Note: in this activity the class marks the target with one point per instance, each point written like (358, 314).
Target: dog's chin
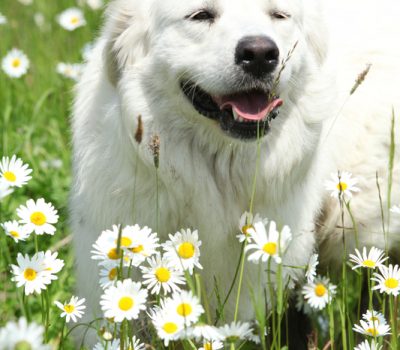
(234, 122)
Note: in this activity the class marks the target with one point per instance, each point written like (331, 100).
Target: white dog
(199, 73)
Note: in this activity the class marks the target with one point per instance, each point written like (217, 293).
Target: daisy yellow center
(186, 250)
(208, 346)
(369, 263)
(246, 229)
(23, 345)
(391, 283)
(320, 290)
(38, 218)
(69, 308)
(137, 249)
(113, 254)
(125, 303)
(10, 176)
(270, 248)
(342, 186)
(170, 327)
(125, 242)
(112, 274)
(372, 331)
(16, 62)
(14, 234)
(184, 309)
(163, 274)
(30, 274)
(74, 20)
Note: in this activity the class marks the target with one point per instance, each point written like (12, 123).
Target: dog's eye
(202, 15)
(280, 15)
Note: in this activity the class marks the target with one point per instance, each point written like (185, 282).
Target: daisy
(73, 309)
(205, 332)
(373, 259)
(114, 345)
(395, 209)
(105, 247)
(302, 304)
(367, 346)
(372, 329)
(3, 19)
(311, 269)
(183, 250)
(71, 19)
(5, 190)
(267, 245)
(246, 224)
(15, 231)
(161, 274)
(185, 306)
(31, 273)
(143, 244)
(14, 172)
(319, 292)
(341, 183)
(15, 64)
(95, 5)
(211, 345)
(38, 216)
(124, 300)
(21, 335)
(108, 274)
(51, 264)
(70, 70)
(374, 316)
(388, 279)
(168, 325)
(235, 331)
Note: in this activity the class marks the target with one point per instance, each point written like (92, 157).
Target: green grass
(34, 124)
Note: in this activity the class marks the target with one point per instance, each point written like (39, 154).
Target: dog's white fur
(205, 176)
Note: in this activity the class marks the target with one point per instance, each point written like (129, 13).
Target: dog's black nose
(257, 55)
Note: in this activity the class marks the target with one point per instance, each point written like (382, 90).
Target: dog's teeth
(235, 115)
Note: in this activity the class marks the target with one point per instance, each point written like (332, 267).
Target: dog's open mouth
(244, 115)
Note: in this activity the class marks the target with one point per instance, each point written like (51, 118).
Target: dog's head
(227, 64)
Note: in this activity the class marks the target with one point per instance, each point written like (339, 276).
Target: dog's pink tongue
(249, 106)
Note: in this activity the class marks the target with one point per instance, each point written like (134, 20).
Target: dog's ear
(126, 31)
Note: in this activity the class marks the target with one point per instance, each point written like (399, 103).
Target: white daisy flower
(31, 273)
(51, 264)
(114, 345)
(73, 309)
(95, 5)
(15, 64)
(183, 250)
(373, 259)
(374, 316)
(124, 300)
(365, 345)
(341, 183)
(168, 325)
(14, 172)
(161, 274)
(212, 345)
(235, 331)
(16, 231)
(246, 224)
(71, 19)
(5, 190)
(205, 332)
(372, 329)
(38, 216)
(302, 304)
(144, 243)
(388, 279)
(108, 274)
(311, 270)
(21, 335)
(395, 209)
(105, 247)
(70, 70)
(266, 245)
(319, 292)
(39, 19)
(185, 305)
(3, 19)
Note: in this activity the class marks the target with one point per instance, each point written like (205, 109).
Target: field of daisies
(153, 295)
